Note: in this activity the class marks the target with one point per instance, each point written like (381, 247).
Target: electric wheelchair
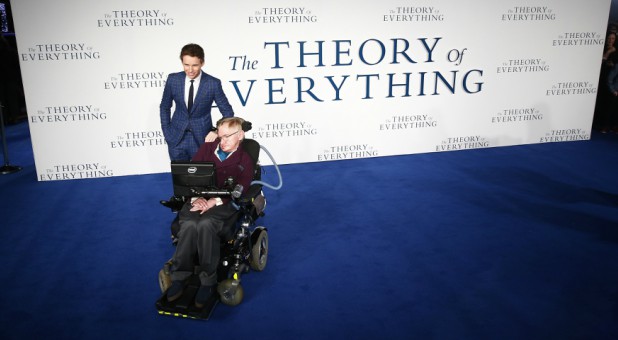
(244, 244)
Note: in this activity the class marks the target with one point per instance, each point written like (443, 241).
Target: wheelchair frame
(246, 249)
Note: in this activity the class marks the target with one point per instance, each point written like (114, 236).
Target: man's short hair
(192, 50)
(231, 122)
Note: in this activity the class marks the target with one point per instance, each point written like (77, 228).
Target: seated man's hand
(210, 137)
(202, 205)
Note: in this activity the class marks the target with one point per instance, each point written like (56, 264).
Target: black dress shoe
(203, 294)
(175, 290)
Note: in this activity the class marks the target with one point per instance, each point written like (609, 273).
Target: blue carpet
(502, 243)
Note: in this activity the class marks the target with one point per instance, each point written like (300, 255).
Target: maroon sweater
(238, 165)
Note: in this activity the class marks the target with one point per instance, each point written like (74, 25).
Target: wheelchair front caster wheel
(165, 280)
(231, 292)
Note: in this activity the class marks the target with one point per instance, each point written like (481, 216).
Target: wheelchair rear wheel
(259, 252)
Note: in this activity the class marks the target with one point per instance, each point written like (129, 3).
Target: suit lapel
(201, 91)
(181, 86)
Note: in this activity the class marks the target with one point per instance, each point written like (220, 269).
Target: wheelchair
(244, 246)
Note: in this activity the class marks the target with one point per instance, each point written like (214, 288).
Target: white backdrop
(320, 81)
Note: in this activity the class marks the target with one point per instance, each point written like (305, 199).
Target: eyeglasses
(228, 136)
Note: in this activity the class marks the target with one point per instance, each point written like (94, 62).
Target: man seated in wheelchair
(202, 220)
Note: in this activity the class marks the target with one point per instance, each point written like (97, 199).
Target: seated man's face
(230, 137)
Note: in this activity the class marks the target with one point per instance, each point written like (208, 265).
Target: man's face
(230, 137)
(192, 66)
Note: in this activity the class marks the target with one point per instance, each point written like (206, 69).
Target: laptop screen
(189, 176)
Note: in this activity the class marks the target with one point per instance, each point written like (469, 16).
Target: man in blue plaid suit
(192, 92)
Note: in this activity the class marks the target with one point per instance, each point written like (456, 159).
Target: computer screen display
(188, 177)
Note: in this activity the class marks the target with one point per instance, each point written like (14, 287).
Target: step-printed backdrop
(320, 81)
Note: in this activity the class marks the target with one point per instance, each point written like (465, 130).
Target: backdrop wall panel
(319, 81)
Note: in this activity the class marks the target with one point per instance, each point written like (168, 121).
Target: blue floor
(502, 243)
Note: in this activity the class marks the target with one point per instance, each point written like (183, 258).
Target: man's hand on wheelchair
(202, 205)
(210, 137)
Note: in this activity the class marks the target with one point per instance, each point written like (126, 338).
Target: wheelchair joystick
(237, 192)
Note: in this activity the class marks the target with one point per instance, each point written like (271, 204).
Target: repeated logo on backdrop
(282, 15)
(60, 52)
(283, 130)
(572, 88)
(138, 139)
(75, 171)
(529, 13)
(408, 122)
(341, 152)
(530, 65)
(135, 18)
(517, 115)
(62, 115)
(414, 14)
(66, 114)
(569, 39)
(463, 143)
(136, 80)
(565, 135)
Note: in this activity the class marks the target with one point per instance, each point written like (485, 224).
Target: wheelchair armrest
(251, 193)
(253, 201)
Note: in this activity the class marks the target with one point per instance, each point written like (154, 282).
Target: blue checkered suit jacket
(199, 119)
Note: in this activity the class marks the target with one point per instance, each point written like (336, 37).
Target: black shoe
(203, 294)
(175, 290)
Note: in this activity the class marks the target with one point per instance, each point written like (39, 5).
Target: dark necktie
(190, 102)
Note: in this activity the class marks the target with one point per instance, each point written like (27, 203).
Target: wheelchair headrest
(252, 148)
(245, 125)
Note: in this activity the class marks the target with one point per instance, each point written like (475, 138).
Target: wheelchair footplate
(184, 306)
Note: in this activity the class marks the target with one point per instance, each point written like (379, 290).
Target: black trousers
(610, 118)
(200, 234)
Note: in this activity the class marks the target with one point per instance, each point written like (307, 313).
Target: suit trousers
(186, 148)
(200, 234)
